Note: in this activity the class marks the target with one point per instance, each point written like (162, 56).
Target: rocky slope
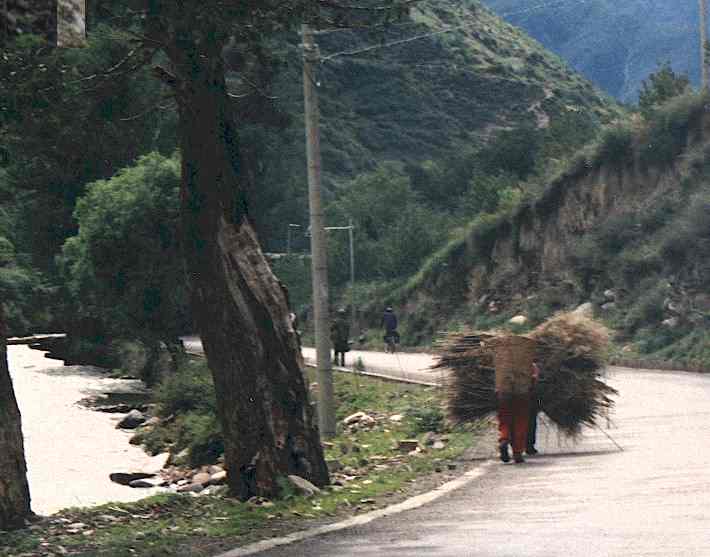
(625, 226)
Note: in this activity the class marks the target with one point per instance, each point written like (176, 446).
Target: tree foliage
(124, 268)
(660, 87)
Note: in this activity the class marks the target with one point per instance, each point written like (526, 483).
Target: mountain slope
(425, 99)
(615, 44)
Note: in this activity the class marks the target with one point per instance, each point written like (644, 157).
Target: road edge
(360, 520)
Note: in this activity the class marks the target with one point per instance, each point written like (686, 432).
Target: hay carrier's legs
(513, 421)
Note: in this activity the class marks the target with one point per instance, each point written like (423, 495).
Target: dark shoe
(531, 450)
(518, 458)
(504, 454)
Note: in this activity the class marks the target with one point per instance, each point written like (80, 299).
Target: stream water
(70, 449)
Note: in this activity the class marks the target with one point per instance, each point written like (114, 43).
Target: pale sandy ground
(72, 450)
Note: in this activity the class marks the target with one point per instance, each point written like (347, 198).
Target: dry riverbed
(70, 449)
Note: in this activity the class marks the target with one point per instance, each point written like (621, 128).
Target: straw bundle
(570, 352)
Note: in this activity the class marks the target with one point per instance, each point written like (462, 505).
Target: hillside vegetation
(624, 226)
(614, 44)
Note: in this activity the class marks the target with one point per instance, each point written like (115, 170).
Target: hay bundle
(571, 354)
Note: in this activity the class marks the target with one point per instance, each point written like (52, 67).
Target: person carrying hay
(515, 374)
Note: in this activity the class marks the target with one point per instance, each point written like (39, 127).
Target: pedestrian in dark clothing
(340, 336)
(389, 324)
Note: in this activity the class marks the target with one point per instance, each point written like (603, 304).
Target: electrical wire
(400, 42)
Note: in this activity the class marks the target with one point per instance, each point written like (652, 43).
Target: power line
(400, 42)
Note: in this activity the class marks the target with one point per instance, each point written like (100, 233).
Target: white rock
(303, 486)
(671, 323)
(610, 294)
(218, 478)
(354, 418)
(132, 420)
(586, 309)
(518, 320)
(396, 418)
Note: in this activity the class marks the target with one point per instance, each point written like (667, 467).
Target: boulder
(115, 408)
(354, 418)
(147, 483)
(125, 478)
(438, 445)
(518, 320)
(131, 420)
(303, 486)
(152, 422)
(586, 310)
(610, 295)
(191, 488)
(396, 418)
(218, 478)
(201, 478)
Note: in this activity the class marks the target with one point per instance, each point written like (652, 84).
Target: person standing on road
(340, 336)
(389, 324)
(535, 408)
(513, 392)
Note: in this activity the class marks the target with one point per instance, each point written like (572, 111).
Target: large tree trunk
(239, 305)
(14, 491)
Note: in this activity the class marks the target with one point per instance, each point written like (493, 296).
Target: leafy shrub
(646, 311)
(616, 146)
(201, 435)
(189, 389)
(427, 418)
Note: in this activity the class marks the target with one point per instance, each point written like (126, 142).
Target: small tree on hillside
(660, 87)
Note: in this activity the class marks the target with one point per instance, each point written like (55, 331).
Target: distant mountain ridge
(616, 44)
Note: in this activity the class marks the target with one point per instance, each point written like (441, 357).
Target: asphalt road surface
(583, 500)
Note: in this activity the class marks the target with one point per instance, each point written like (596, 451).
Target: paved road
(400, 365)
(588, 500)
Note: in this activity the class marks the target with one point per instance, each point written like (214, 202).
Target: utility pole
(288, 237)
(703, 5)
(319, 261)
(350, 228)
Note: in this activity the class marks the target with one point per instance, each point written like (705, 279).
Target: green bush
(201, 435)
(427, 418)
(647, 310)
(616, 145)
(189, 389)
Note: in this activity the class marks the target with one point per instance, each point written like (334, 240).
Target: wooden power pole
(703, 5)
(319, 262)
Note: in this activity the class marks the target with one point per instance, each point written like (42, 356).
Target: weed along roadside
(392, 442)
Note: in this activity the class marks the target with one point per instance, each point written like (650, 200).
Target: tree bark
(14, 490)
(239, 306)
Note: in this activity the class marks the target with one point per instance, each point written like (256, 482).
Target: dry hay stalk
(571, 355)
